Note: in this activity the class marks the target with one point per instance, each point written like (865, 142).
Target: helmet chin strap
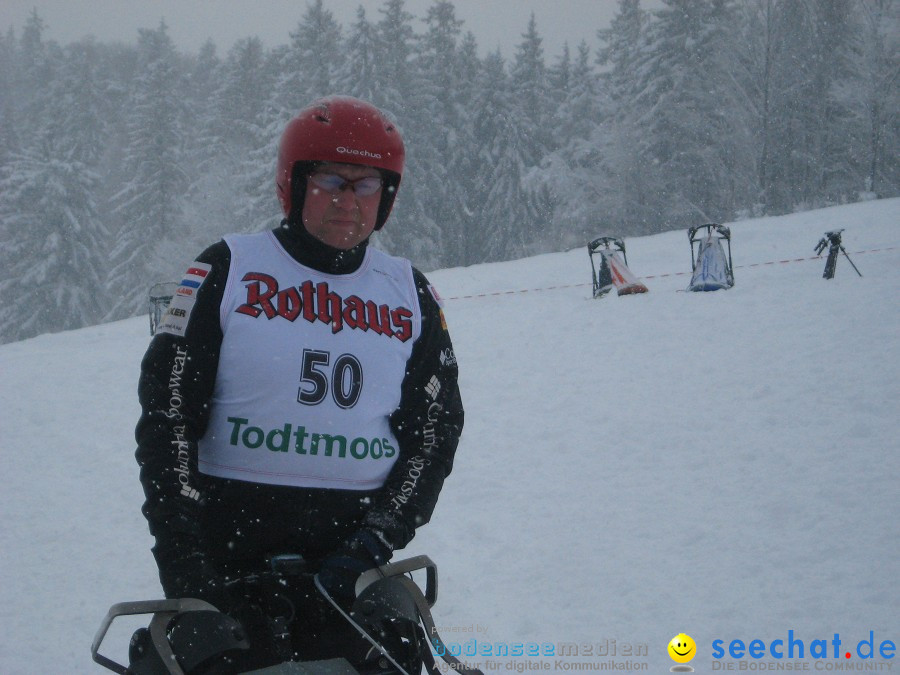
(388, 193)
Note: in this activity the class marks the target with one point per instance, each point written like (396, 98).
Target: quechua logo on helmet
(360, 153)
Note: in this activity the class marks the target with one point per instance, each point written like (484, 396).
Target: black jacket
(235, 525)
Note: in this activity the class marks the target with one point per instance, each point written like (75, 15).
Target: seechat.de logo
(827, 654)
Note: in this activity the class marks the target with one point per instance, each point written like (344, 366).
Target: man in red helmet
(300, 396)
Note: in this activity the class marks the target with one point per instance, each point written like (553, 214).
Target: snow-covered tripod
(833, 239)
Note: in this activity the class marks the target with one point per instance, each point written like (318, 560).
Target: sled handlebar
(162, 611)
(723, 230)
(402, 567)
(608, 242)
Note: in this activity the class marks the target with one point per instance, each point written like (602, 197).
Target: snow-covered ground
(720, 464)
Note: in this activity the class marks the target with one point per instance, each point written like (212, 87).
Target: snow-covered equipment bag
(613, 270)
(160, 296)
(833, 241)
(712, 268)
(188, 636)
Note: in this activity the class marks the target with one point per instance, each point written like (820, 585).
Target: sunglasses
(334, 184)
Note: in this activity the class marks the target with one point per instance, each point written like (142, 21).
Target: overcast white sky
(495, 23)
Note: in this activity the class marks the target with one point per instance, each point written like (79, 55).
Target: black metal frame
(607, 243)
(724, 233)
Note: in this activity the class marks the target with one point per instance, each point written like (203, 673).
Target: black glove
(339, 571)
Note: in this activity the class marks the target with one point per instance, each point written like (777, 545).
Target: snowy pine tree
(148, 207)
(683, 83)
(52, 240)
(623, 182)
(869, 93)
(465, 163)
(528, 76)
(255, 122)
(574, 170)
(313, 61)
(410, 231)
(500, 206)
(8, 113)
(436, 121)
(223, 196)
(359, 73)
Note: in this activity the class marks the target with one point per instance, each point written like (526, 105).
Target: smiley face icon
(682, 648)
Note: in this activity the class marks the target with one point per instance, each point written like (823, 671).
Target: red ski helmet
(338, 129)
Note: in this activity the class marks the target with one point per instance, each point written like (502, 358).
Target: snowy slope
(721, 464)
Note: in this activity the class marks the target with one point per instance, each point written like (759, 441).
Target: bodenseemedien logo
(682, 649)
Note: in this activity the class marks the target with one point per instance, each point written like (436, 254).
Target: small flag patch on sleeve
(175, 321)
(437, 296)
(194, 277)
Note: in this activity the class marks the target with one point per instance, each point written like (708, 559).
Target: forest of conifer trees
(120, 161)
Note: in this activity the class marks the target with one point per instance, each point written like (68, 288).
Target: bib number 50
(345, 381)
